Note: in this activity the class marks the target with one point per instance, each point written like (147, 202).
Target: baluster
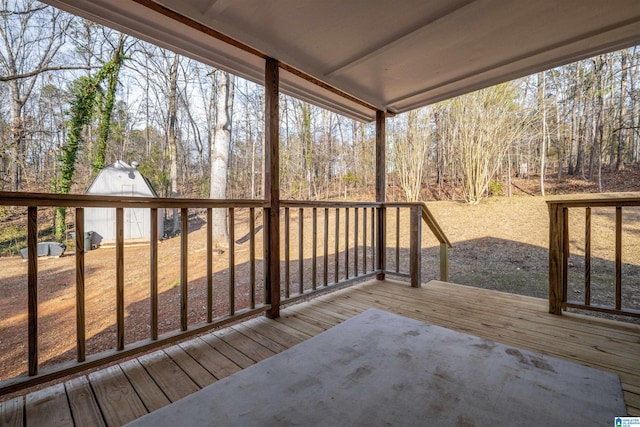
(287, 290)
(232, 262)
(209, 265)
(252, 257)
(119, 278)
(32, 287)
(314, 250)
(300, 251)
(587, 257)
(80, 300)
(618, 257)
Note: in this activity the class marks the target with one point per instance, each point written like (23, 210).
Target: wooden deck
(118, 394)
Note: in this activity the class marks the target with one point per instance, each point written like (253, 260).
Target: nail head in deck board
(84, 408)
(151, 395)
(247, 346)
(173, 381)
(259, 338)
(116, 397)
(48, 406)
(233, 354)
(212, 360)
(197, 373)
(12, 412)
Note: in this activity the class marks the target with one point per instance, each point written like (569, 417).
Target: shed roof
(388, 55)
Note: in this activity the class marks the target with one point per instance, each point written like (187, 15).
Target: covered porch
(128, 390)
(388, 73)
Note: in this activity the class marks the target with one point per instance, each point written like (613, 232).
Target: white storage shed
(121, 179)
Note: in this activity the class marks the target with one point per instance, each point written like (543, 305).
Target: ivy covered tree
(85, 91)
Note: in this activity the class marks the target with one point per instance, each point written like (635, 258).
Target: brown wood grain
(82, 403)
(80, 301)
(32, 288)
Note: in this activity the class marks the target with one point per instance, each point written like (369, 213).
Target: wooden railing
(348, 243)
(559, 253)
(35, 374)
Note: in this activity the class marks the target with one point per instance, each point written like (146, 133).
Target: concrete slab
(381, 369)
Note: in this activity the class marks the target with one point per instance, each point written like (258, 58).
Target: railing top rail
(326, 204)
(431, 222)
(8, 198)
(593, 200)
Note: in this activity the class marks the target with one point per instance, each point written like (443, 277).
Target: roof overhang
(358, 56)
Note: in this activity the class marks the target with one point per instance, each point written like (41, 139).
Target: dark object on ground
(245, 238)
(50, 249)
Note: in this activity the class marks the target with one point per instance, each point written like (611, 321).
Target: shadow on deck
(121, 393)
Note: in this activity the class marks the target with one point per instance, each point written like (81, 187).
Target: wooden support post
(80, 308)
(415, 247)
(556, 256)
(32, 287)
(444, 262)
(381, 184)
(272, 185)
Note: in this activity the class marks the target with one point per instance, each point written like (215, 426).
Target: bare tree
(220, 151)
(31, 34)
(486, 122)
(411, 149)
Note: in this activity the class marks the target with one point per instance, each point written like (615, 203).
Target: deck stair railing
(348, 242)
(559, 253)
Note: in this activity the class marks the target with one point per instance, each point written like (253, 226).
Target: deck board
(116, 397)
(49, 407)
(11, 412)
(127, 391)
(84, 408)
(151, 395)
(175, 383)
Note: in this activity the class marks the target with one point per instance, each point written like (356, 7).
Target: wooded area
(80, 96)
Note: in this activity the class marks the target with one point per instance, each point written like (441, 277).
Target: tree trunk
(623, 110)
(220, 154)
(172, 136)
(543, 150)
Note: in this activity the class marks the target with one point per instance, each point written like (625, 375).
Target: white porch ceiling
(389, 55)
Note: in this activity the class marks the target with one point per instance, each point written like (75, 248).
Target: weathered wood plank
(277, 332)
(173, 381)
(235, 355)
(48, 406)
(148, 391)
(12, 412)
(242, 343)
(212, 360)
(195, 371)
(84, 408)
(116, 397)
(259, 338)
